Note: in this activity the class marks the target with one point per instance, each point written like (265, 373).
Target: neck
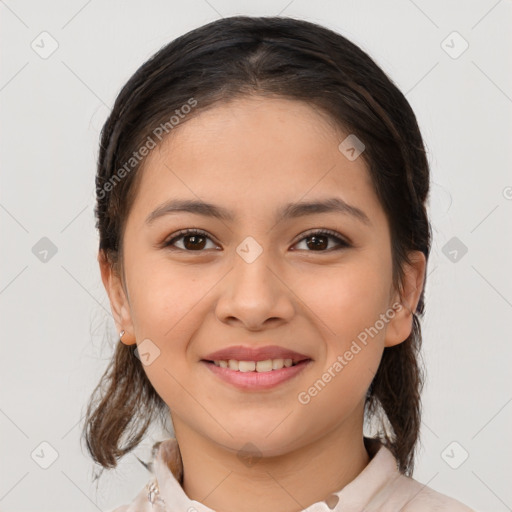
(224, 482)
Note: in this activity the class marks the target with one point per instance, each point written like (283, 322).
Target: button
(332, 501)
(153, 491)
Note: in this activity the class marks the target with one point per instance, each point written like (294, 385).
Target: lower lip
(255, 381)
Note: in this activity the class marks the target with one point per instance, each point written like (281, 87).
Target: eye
(318, 241)
(196, 239)
(190, 240)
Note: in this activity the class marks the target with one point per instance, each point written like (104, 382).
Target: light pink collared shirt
(380, 487)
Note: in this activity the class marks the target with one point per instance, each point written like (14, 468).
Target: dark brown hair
(278, 57)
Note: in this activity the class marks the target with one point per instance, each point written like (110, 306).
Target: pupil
(195, 239)
(319, 242)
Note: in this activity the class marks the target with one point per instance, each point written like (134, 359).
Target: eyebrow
(288, 211)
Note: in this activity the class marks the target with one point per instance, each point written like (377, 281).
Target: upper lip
(241, 353)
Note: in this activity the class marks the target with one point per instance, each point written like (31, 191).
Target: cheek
(348, 299)
(166, 298)
(349, 302)
(169, 304)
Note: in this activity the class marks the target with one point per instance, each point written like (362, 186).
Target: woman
(261, 194)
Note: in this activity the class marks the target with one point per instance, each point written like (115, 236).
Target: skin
(252, 156)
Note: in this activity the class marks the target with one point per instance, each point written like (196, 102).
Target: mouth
(256, 375)
(279, 356)
(267, 365)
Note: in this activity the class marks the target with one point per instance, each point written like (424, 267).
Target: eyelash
(342, 244)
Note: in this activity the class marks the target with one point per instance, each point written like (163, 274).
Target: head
(251, 115)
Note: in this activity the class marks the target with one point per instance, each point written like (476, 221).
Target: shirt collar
(380, 471)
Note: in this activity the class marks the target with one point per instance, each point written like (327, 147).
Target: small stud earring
(121, 334)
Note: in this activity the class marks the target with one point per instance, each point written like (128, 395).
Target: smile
(246, 375)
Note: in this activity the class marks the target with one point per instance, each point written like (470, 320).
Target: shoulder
(417, 497)
(389, 490)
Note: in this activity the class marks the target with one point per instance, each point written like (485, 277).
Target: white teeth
(251, 366)
(277, 364)
(245, 366)
(264, 366)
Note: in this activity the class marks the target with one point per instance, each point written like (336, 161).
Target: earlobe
(127, 338)
(118, 302)
(400, 327)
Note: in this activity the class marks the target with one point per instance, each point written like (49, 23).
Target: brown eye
(194, 242)
(316, 242)
(320, 241)
(190, 241)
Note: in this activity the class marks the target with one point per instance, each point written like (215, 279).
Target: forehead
(252, 154)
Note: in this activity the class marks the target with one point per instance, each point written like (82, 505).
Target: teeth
(251, 366)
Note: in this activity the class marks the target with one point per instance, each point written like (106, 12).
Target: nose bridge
(253, 293)
(252, 279)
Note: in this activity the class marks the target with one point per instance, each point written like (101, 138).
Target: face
(262, 273)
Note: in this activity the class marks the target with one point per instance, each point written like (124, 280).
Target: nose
(254, 296)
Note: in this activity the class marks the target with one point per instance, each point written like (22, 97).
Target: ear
(400, 326)
(119, 303)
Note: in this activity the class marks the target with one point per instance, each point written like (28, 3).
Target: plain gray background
(57, 329)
